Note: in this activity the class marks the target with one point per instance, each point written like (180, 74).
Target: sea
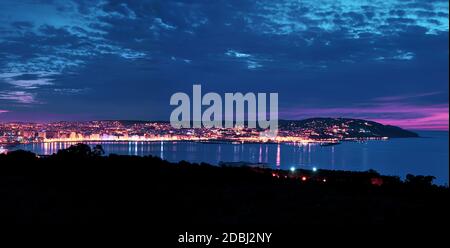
(427, 155)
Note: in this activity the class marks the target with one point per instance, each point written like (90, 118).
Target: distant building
(51, 134)
(29, 134)
(42, 135)
(73, 135)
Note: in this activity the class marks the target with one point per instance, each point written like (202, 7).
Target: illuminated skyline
(385, 61)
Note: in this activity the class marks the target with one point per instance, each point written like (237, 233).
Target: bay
(427, 155)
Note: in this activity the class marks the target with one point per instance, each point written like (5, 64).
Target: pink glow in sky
(432, 117)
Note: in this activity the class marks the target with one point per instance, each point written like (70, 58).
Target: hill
(345, 128)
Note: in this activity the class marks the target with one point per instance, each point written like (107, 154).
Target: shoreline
(323, 150)
(211, 141)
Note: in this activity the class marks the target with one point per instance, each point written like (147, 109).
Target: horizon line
(441, 128)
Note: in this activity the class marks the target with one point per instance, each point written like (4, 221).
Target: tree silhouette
(81, 151)
(20, 155)
(419, 180)
(98, 150)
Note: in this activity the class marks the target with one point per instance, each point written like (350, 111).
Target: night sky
(383, 60)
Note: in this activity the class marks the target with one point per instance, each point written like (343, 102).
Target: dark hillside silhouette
(78, 187)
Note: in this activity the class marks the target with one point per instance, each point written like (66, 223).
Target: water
(419, 156)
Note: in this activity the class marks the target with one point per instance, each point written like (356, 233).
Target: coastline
(391, 157)
(211, 141)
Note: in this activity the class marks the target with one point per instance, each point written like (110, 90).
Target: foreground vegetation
(80, 187)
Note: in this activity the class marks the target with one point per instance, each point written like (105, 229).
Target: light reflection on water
(421, 156)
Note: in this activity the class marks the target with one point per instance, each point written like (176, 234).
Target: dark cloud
(22, 25)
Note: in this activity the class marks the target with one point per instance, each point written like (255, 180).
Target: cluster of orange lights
(278, 139)
(302, 178)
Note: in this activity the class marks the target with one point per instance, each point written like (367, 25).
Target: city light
(117, 131)
(314, 169)
(292, 169)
